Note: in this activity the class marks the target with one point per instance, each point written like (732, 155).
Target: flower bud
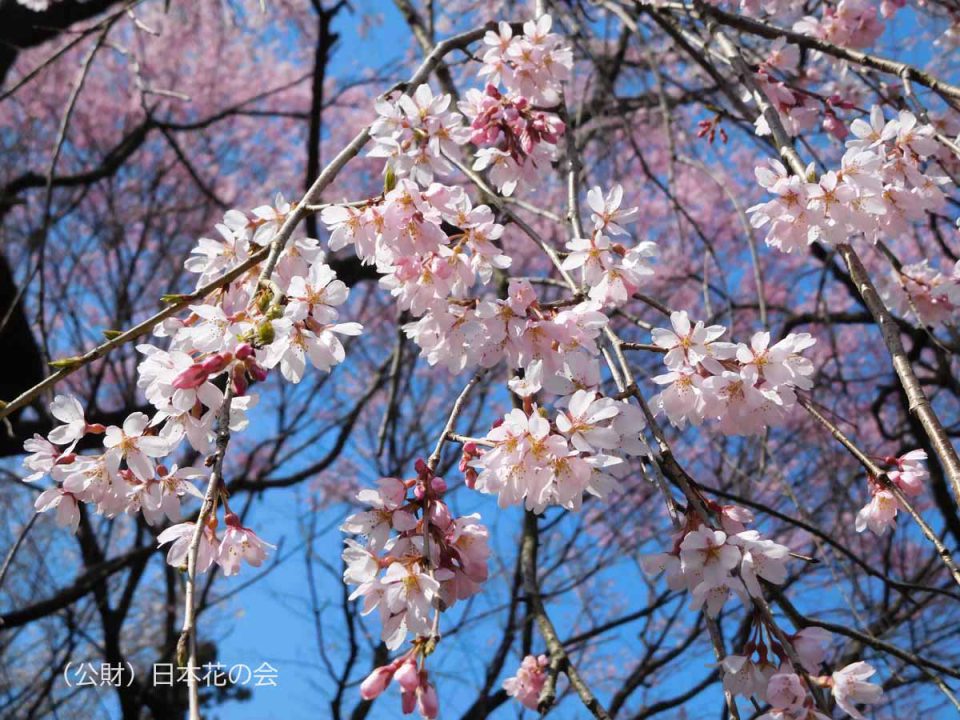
(216, 363)
(376, 682)
(257, 371)
(440, 515)
(244, 351)
(239, 379)
(408, 677)
(408, 701)
(265, 333)
(191, 378)
(438, 485)
(427, 702)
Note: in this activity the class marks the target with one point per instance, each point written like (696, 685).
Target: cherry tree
(615, 342)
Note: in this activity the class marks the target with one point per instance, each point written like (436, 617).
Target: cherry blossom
(68, 410)
(387, 513)
(744, 388)
(136, 448)
(881, 187)
(850, 687)
(181, 536)
(65, 503)
(527, 684)
(415, 134)
(879, 514)
(238, 544)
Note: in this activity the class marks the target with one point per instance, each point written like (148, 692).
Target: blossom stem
(559, 660)
(884, 480)
(187, 644)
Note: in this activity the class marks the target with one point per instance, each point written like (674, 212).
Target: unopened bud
(376, 682)
(408, 677)
(218, 362)
(239, 380)
(257, 371)
(265, 334)
(440, 515)
(191, 378)
(427, 702)
(389, 179)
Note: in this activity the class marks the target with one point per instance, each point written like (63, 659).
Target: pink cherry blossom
(528, 682)
(850, 688)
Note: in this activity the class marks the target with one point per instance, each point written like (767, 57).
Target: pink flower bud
(408, 677)
(440, 515)
(427, 702)
(256, 371)
(421, 467)
(239, 379)
(408, 701)
(218, 362)
(438, 485)
(191, 378)
(376, 682)
(470, 478)
(470, 448)
(244, 351)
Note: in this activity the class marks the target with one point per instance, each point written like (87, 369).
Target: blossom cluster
(416, 134)
(765, 673)
(611, 271)
(931, 295)
(431, 274)
(416, 690)
(234, 337)
(516, 137)
(851, 23)
(528, 683)
(417, 559)
(714, 564)
(909, 475)
(533, 460)
(532, 64)
(881, 188)
(745, 388)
